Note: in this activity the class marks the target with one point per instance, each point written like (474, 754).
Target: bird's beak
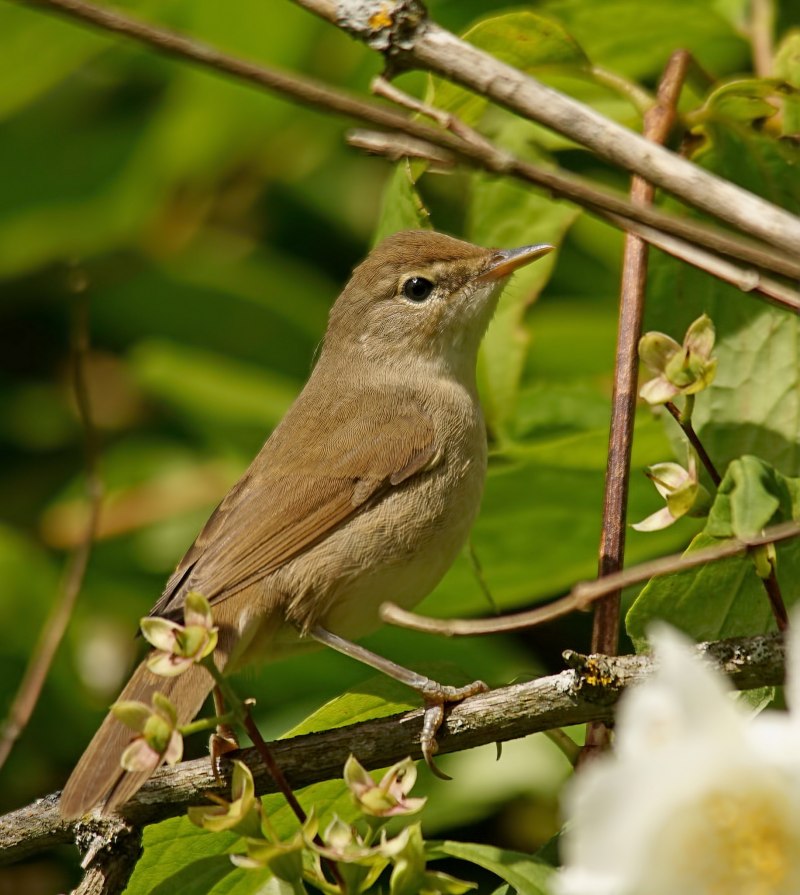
(505, 261)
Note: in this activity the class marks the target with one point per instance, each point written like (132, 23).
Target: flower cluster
(680, 369)
(178, 647)
(361, 856)
(158, 740)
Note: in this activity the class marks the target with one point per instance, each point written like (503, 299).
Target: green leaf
(248, 882)
(742, 100)
(508, 215)
(526, 40)
(524, 873)
(538, 529)
(787, 66)
(717, 600)
(636, 39)
(749, 496)
(175, 847)
(198, 878)
(402, 207)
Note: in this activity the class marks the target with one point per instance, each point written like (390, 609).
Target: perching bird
(365, 492)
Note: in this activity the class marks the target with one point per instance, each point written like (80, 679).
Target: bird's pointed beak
(505, 261)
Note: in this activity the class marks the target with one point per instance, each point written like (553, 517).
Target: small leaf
(749, 497)
(527, 875)
(402, 207)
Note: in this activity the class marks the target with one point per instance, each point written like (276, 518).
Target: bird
(365, 491)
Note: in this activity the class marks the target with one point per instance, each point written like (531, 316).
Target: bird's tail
(98, 778)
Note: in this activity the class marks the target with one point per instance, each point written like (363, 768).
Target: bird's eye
(417, 288)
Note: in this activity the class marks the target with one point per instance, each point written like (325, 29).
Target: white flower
(699, 797)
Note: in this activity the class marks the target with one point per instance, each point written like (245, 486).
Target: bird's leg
(224, 740)
(436, 695)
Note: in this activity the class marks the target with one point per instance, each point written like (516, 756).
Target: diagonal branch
(402, 30)
(319, 96)
(571, 697)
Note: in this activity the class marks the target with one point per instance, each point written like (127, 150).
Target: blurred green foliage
(215, 224)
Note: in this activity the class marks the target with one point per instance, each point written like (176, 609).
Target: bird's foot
(436, 696)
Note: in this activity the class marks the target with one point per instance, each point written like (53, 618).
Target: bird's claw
(436, 696)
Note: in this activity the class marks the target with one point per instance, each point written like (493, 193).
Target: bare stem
(658, 123)
(566, 745)
(775, 597)
(585, 593)
(762, 26)
(56, 625)
(694, 439)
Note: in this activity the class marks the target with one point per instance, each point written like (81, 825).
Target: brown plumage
(365, 492)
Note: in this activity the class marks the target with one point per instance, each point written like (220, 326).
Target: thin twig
(762, 26)
(688, 430)
(658, 122)
(747, 279)
(57, 621)
(273, 767)
(775, 597)
(395, 146)
(585, 593)
(413, 40)
(285, 789)
(319, 96)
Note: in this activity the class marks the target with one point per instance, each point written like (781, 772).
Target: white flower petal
(793, 665)
(698, 798)
(655, 522)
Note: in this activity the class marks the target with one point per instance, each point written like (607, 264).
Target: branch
(585, 593)
(658, 122)
(319, 96)
(396, 146)
(571, 697)
(402, 30)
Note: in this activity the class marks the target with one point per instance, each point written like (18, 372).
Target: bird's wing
(292, 497)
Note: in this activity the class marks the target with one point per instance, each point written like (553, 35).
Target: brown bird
(365, 492)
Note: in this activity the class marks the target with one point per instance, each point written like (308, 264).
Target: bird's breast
(399, 547)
